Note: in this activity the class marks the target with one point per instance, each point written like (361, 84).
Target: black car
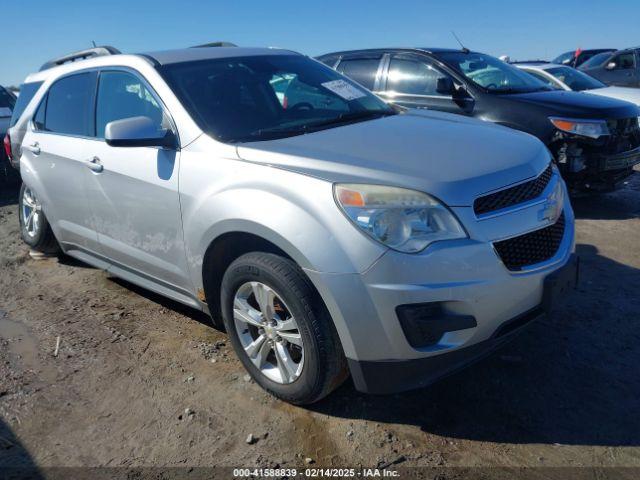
(575, 58)
(595, 140)
(7, 104)
(620, 68)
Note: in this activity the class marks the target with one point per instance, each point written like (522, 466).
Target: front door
(412, 81)
(135, 195)
(625, 71)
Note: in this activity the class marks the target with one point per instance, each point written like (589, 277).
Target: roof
(394, 49)
(168, 57)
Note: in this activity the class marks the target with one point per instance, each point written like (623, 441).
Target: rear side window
(69, 106)
(123, 95)
(362, 70)
(27, 91)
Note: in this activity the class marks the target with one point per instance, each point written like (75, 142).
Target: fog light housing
(424, 324)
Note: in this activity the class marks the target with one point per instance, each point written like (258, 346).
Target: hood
(576, 105)
(621, 93)
(449, 156)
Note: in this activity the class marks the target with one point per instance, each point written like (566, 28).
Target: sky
(44, 29)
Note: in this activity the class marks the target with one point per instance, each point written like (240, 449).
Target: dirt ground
(142, 381)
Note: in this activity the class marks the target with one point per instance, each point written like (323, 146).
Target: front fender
(296, 213)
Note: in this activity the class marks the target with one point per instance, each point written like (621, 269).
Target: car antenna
(464, 49)
(93, 42)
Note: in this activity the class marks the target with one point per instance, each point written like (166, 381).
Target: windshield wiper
(277, 132)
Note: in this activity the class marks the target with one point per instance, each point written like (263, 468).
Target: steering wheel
(302, 106)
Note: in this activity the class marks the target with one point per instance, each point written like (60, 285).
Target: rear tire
(34, 227)
(299, 334)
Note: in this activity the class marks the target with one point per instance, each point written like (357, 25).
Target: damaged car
(328, 233)
(595, 140)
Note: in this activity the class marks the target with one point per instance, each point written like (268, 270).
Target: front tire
(280, 328)
(34, 227)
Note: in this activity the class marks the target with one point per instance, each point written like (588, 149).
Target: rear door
(55, 151)
(135, 195)
(411, 81)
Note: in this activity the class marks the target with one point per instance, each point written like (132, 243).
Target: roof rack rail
(80, 55)
(215, 44)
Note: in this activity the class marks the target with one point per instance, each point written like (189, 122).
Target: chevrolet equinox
(327, 232)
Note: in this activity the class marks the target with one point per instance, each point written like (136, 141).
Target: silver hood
(621, 93)
(449, 156)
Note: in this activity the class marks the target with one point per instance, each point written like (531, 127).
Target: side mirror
(138, 132)
(445, 86)
(611, 65)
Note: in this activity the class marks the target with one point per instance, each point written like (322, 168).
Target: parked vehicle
(575, 58)
(620, 68)
(7, 103)
(561, 77)
(329, 236)
(595, 141)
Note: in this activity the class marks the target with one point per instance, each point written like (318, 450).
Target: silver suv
(327, 232)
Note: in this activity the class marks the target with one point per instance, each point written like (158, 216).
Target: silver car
(562, 77)
(328, 233)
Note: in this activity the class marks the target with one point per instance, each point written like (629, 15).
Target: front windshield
(492, 74)
(574, 79)
(269, 96)
(596, 60)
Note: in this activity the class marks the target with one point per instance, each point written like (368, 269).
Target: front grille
(514, 195)
(624, 135)
(531, 248)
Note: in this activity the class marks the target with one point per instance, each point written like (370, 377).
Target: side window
(362, 70)
(124, 95)
(27, 92)
(69, 108)
(412, 77)
(38, 118)
(624, 61)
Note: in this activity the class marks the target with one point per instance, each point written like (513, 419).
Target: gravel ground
(142, 381)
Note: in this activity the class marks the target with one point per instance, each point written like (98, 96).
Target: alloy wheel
(268, 332)
(31, 213)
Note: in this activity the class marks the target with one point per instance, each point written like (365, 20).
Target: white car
(563, 77)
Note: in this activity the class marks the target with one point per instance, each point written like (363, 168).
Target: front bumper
(386, 377)
(473, 290)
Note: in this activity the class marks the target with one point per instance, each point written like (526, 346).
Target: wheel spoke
(253, 349)
(292, 337)
(244, 313)
(286, 365)
(265, 297)
(288, 324)
(29, 221)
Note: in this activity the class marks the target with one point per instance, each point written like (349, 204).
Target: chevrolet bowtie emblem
(550, 210)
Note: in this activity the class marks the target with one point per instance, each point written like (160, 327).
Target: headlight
(401, 219)
(585, 128)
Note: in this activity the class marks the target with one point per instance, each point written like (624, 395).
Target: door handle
(94, 165)
(35, 148)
